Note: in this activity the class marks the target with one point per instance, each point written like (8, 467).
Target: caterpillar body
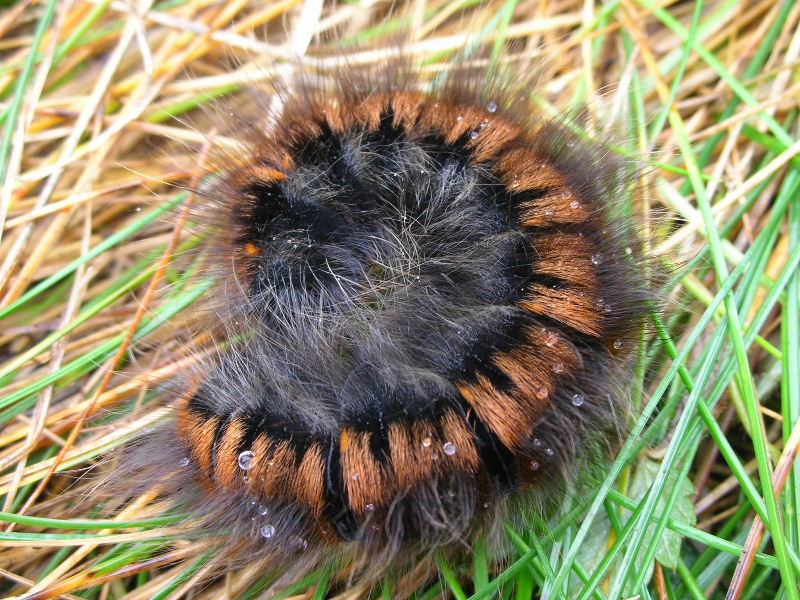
(428, 301)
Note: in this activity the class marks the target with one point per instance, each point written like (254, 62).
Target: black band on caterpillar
(496, 458)
(337, 509)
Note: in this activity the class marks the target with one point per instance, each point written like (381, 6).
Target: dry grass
(93, 323)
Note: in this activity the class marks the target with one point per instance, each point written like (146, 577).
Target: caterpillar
(426, 304)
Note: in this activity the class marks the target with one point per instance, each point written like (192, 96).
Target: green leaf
(592, 551)
(669, 546)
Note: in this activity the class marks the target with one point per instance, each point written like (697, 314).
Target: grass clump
(702, 500)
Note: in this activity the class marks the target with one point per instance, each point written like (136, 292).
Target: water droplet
(549, 451)
(435, 456)
(574, 204)
(558, 367)
(491, 107)
(355, 476)
(473, 135)
(597, 258)
(459, 118)
(535, 465)
(263, 510)
(449, 448)
(246, 460)
(426, 442)
(548, 212)
(369, 507)
(436, 105)
(245, 479)
(618, 344)
(541, 393)
(184, 462)
(486, 505)
(577, 400)
(537, 443)
(551, 339)
(267, 531)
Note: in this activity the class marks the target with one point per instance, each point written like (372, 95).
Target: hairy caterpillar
(426, 304)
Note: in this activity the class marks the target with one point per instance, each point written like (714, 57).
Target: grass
(702, 500)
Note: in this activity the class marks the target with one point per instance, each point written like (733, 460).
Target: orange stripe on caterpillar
(508, 416)
(199, 435)
(227, 471)
(575, 266)
(573, 306)
(368, 483)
